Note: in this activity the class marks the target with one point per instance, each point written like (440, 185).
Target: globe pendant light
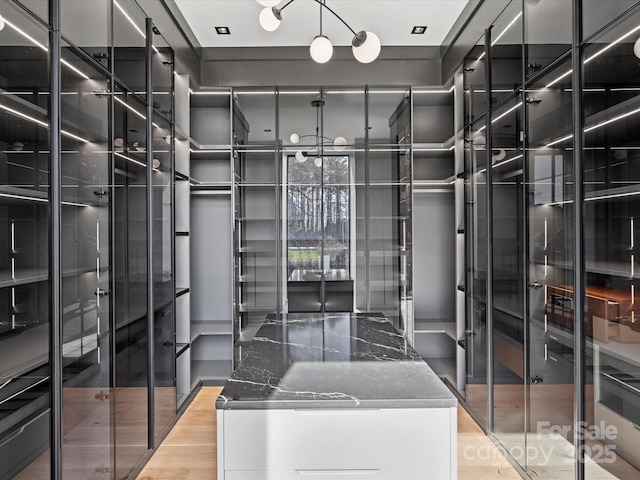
(316, 151)
(270, 18)
(339, 144)
(636, 48)
(321, 49)
(366, 47)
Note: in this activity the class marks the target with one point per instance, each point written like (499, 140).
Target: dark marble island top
(315, 275)
(343, 360)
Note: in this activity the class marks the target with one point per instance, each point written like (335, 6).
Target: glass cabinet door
(24, 241)
(550, 337)
(475, 143)
(509, 327)
(611, 220)
(257, 171)
(86, 271)
(475, 285)
(163, 277)
(129, 203)
(129, 42)
(386, 164)
(547, 33)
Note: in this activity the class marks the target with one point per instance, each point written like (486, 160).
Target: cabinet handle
(101, 396)
(338, 412)
(18, 432)
(101, 293)
(336, 473)
(637, 427)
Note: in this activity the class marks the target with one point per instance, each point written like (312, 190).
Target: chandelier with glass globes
(364, 45)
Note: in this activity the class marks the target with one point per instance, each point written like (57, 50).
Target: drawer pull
(349, 412)
(335, 473)
(15, 434)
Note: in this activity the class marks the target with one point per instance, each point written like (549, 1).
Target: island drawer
(314, 443)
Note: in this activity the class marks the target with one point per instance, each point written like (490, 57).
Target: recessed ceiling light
(418, 30)
(223, 31)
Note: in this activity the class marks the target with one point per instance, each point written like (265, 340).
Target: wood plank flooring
(189, 451)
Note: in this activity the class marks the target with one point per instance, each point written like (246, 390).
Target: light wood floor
(189, 451)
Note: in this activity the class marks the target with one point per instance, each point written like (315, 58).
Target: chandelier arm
(285, 5)
(317, 136)
(334, 13)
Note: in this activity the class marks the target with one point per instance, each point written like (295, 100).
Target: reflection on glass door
(163, 278)
(476, 392)
(129, 202)
(86, 271)
(611, 222)
(550, 314)
(318, 234)
(509, 332)
(25, 297)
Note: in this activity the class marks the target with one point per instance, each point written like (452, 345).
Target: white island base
(344, 443)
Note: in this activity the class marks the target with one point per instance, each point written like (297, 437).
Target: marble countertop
(343, 360)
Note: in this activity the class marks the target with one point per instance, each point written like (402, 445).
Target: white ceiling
(391, 20)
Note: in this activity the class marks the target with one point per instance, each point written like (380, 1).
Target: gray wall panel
(211, 274)
(433, 255)
(266, 72)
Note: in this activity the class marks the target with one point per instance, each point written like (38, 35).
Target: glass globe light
(321, 49)
(270, 19)
(479, 141)
(300, 157)
(268, 3)
(498, 154)
(317, 162)
(339, 144)
(294, 138)
(366, 47)
(636, 48)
